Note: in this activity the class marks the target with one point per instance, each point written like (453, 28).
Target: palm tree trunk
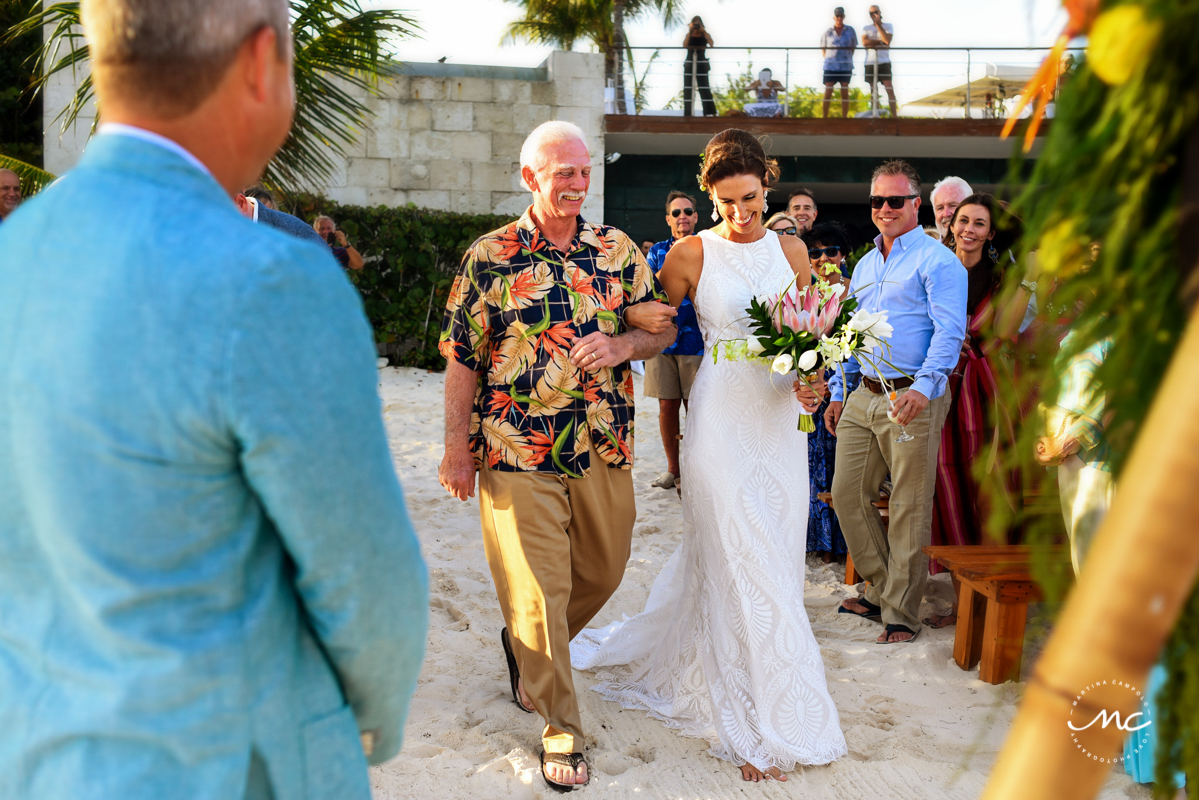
(618, 44)
(1138, 576)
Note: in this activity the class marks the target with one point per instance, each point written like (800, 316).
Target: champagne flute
(892, 398)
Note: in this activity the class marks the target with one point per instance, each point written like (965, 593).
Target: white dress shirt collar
(120, 129)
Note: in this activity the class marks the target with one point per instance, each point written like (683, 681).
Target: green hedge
(412, 255)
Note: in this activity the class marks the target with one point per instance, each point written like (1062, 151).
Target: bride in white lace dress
(723, 650)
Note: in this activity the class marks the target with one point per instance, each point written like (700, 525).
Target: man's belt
(877, 388)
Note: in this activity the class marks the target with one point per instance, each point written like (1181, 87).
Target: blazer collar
(152, 163)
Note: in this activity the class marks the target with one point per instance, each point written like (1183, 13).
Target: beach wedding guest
(211, 584)
(782, 224)
(876, 39)
(801, 204)
(828, 245)
(945, 197)
(766, 89)
(339, 245)
(724, 650)
(981, 235)
(922, 287)
(539, 404)
(696, 68)
(254, 207)
(1077, 445)
(836, 48)
(670, 374)
(262, 196)
(10, 192)
(646, 246)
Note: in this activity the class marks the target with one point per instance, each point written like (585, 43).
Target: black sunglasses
(894, 202)
(789, 231)
(674, 212)
(815, 252)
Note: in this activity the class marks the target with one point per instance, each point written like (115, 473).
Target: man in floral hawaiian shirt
(539, 400)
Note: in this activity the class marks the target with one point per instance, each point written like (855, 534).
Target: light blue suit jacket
(209, 583)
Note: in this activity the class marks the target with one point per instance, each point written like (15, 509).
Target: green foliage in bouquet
(1102, 213)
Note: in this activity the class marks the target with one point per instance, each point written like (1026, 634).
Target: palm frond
(33, 180)
(341, 53)
(63, 48)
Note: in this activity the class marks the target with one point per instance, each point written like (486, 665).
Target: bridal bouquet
(807, 329)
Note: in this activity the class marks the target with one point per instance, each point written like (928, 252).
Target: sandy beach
(917, 726)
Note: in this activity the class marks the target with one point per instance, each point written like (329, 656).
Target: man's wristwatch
(1029, 286)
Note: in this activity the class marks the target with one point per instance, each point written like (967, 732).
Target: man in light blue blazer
(209, 584)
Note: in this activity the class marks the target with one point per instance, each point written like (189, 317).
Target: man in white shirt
(876, 38)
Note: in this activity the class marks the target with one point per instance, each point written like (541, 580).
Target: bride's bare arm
(681, 270)
(797, 256)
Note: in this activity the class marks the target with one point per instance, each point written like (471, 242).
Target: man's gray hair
(951, 182)
(171, 54)
(544, 136)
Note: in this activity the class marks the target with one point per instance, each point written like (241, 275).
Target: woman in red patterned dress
(959, 509)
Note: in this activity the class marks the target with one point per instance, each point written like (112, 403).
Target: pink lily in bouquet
(801, 310)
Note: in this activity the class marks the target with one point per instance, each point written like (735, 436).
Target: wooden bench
(995, 588)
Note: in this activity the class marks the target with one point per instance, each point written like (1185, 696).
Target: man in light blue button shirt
(211, 586)
(922, 286)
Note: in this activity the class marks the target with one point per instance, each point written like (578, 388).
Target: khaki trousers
(557, 548)
(1086, 494)
(892, 562)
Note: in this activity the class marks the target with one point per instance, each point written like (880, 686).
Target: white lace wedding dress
(724, 650)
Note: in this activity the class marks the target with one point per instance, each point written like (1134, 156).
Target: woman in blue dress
(828, 245)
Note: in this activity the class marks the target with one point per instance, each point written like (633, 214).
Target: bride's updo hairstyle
(735, 152)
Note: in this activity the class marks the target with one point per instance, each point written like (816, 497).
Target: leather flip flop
(874, 613)
(513, 673)
(572, 760)
(890, 629)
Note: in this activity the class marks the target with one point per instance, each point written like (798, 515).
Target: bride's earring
(715, 216)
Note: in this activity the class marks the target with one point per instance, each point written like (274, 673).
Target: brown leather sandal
(572, 760)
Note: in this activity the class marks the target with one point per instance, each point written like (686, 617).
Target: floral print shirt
(514, 310)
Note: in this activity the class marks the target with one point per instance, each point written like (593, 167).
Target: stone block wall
(448, 136)
(444, 136)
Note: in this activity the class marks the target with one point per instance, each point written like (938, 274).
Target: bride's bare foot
(751, 773)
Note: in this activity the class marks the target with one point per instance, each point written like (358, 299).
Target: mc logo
(1107, 691)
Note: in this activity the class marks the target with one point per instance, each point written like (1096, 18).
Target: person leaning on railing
(696, 67)
(837, 46)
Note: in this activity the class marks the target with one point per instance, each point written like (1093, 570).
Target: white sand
(917, 726)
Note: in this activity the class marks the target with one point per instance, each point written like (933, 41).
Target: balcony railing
(961, 82)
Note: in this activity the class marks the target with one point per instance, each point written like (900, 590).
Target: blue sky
(469, 32)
